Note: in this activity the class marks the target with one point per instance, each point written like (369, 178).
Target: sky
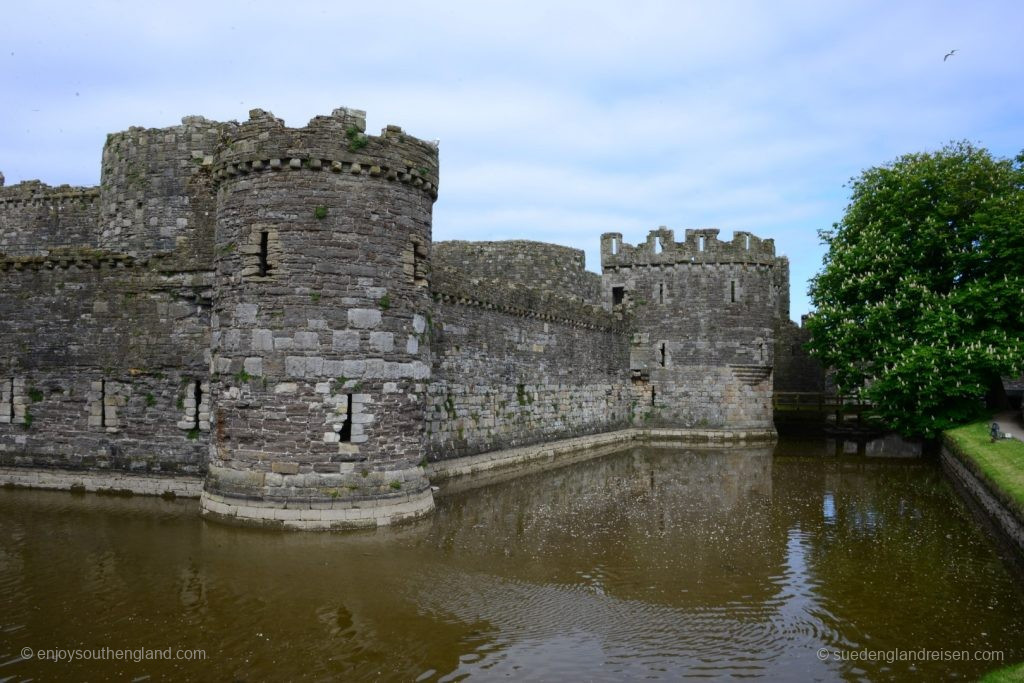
(557, 121)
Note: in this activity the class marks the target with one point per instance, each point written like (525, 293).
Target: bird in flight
(949, 54)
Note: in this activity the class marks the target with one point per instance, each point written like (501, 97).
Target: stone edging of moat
(975, 484)
(443, 470)
(113, 482)
(343, 514)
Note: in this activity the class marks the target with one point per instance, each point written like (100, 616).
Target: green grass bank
(1000, 465)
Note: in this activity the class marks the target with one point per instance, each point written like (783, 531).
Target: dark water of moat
(649, 563)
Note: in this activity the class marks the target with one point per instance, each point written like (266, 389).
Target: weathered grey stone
(262, 340)
(245, 314)
(364, 317)
(382, 341)
(254, 366)
(307, 340)
(345, 340)
(295, 366)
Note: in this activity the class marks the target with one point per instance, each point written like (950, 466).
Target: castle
(259, 311)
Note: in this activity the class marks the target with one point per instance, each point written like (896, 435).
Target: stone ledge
(102, 482)
(443, 470)
(338, 515)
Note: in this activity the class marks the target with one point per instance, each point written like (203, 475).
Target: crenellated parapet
(35, 217)
(330, 144)
(699, 246)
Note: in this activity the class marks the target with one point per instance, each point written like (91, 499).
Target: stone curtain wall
(36, 218)
(549, 267)
(105, 311)
(795, 368)
(703, 314)
(101, 353)
(515, 365)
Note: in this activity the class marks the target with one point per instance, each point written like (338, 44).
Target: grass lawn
(1007, 675)
(1002, 462)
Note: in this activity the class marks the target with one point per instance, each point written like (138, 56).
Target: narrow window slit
(661, 354)
(653, 394)
(661, 292)
(346, 427)
(103, 403)
(732, 291)
(264, 265)
(197, 394)
(8, 407)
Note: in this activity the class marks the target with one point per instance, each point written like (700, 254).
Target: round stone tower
(322, 245)
(703, 314)
(154, 192)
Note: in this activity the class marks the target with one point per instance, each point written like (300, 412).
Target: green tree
(920, 305)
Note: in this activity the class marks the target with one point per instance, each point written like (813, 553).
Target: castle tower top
(337, 143)
(699, 246)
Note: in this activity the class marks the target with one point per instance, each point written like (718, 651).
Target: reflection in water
(648, 562)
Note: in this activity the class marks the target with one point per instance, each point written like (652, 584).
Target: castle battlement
(698, 246)
(336, 143)
(263, 308)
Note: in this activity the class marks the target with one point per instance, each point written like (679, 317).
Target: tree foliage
(920, 304)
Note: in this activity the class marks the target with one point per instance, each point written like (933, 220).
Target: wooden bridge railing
(818, 404)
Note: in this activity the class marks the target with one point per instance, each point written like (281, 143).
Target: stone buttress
(318, 374)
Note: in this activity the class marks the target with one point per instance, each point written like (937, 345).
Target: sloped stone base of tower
(315, 501)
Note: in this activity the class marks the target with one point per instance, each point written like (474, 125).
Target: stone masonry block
(364, 318)
(262, 340)
(295, 366)
(307, 340)
(382, 341)
(345, 340)
(245, 314)
(254, 366)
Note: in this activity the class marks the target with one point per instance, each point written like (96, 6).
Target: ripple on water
(642, 565)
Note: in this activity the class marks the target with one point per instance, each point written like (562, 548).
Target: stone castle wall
(263, 307)
(703, 316)
(516, 365)
(795, 368)
(523, 263)
(35, 218)
(155, 192)
(106, 344)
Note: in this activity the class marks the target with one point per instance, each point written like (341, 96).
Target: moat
(647, 563)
